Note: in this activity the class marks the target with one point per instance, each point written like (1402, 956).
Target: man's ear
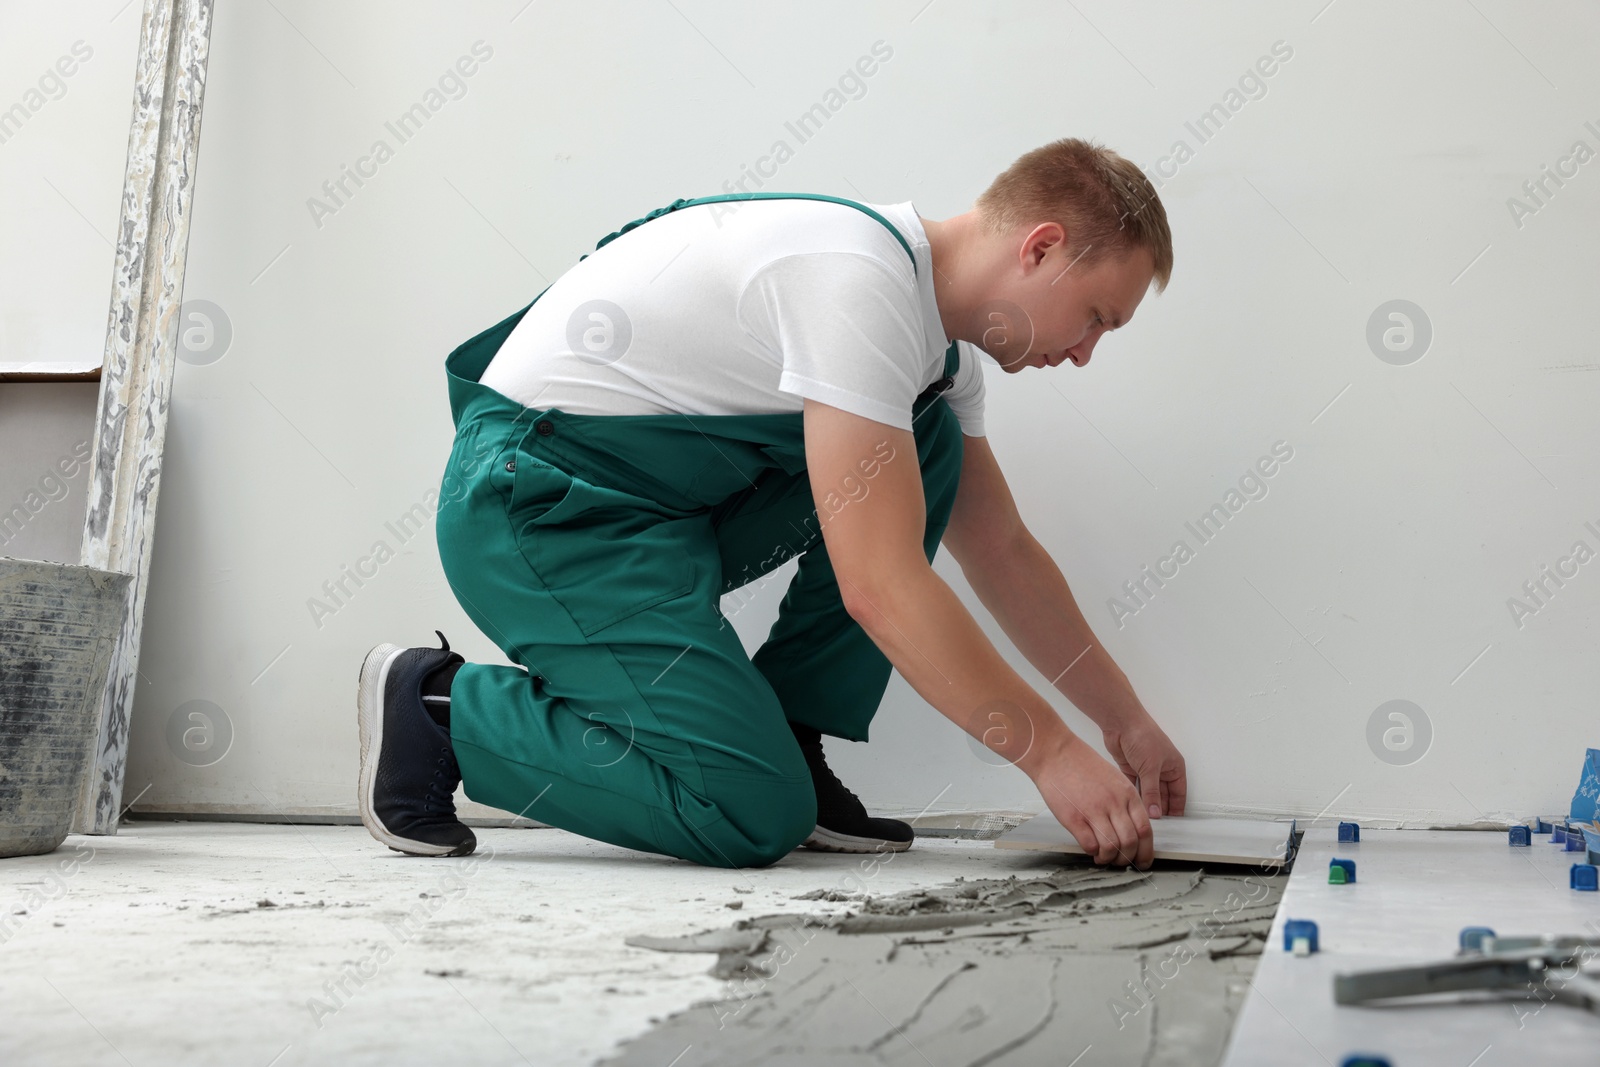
(1040, 240)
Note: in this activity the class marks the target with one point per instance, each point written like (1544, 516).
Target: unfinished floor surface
(199, 943)
(1078, 965)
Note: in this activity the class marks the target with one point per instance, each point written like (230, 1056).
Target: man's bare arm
(875, 545)
(1023, 588)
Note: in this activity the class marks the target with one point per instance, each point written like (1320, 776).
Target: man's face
(1052, 309)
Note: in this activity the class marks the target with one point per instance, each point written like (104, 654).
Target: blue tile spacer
(1300, 930)
(1585, 876)
(1558, 834)
(1575, 843)
(1540, 826)
(1520, 835)
(1349, 831)
(1472, 937)
(1349, 868)
(1364, 1059)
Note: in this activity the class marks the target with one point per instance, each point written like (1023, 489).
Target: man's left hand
(1143, 752)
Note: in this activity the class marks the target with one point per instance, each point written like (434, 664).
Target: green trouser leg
(650, 731)
(635, 716)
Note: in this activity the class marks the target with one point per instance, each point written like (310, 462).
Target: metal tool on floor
(1546, 968)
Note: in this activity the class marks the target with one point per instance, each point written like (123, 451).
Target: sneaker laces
(834, 798)
(439, 793)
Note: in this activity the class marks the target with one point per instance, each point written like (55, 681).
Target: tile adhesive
(1142, 967)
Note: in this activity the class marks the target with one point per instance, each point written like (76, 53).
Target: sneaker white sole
(832, 841)
(369, 716)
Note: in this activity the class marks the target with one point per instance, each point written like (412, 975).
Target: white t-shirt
(743, 308)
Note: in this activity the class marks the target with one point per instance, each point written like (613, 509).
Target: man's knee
(762, 822)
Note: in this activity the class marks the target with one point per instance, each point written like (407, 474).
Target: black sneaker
(408, 768)
(843, 824)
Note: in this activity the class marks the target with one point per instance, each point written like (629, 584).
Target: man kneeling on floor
(725, 384)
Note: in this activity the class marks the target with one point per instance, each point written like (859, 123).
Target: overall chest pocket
(603, 554)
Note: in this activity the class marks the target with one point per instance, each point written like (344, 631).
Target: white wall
(66, 91)
(46, 437)
(66, 94)
(1376, 167)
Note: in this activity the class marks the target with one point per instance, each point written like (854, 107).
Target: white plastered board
(1414, 891)
(1198, 838)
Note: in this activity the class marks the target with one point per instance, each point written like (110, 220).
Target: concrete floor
(179, 943)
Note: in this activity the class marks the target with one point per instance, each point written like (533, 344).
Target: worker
(723, 385)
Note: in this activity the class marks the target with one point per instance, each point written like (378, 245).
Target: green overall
(595, 550)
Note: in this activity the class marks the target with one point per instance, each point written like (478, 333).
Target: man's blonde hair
(1103, 201)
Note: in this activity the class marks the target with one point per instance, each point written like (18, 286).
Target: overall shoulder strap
(724, 197)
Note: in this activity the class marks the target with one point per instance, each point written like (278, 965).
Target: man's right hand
(1095, 802)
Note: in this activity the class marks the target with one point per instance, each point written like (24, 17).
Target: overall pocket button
(545, 427)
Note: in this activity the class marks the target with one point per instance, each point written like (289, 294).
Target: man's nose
(1084, 349)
